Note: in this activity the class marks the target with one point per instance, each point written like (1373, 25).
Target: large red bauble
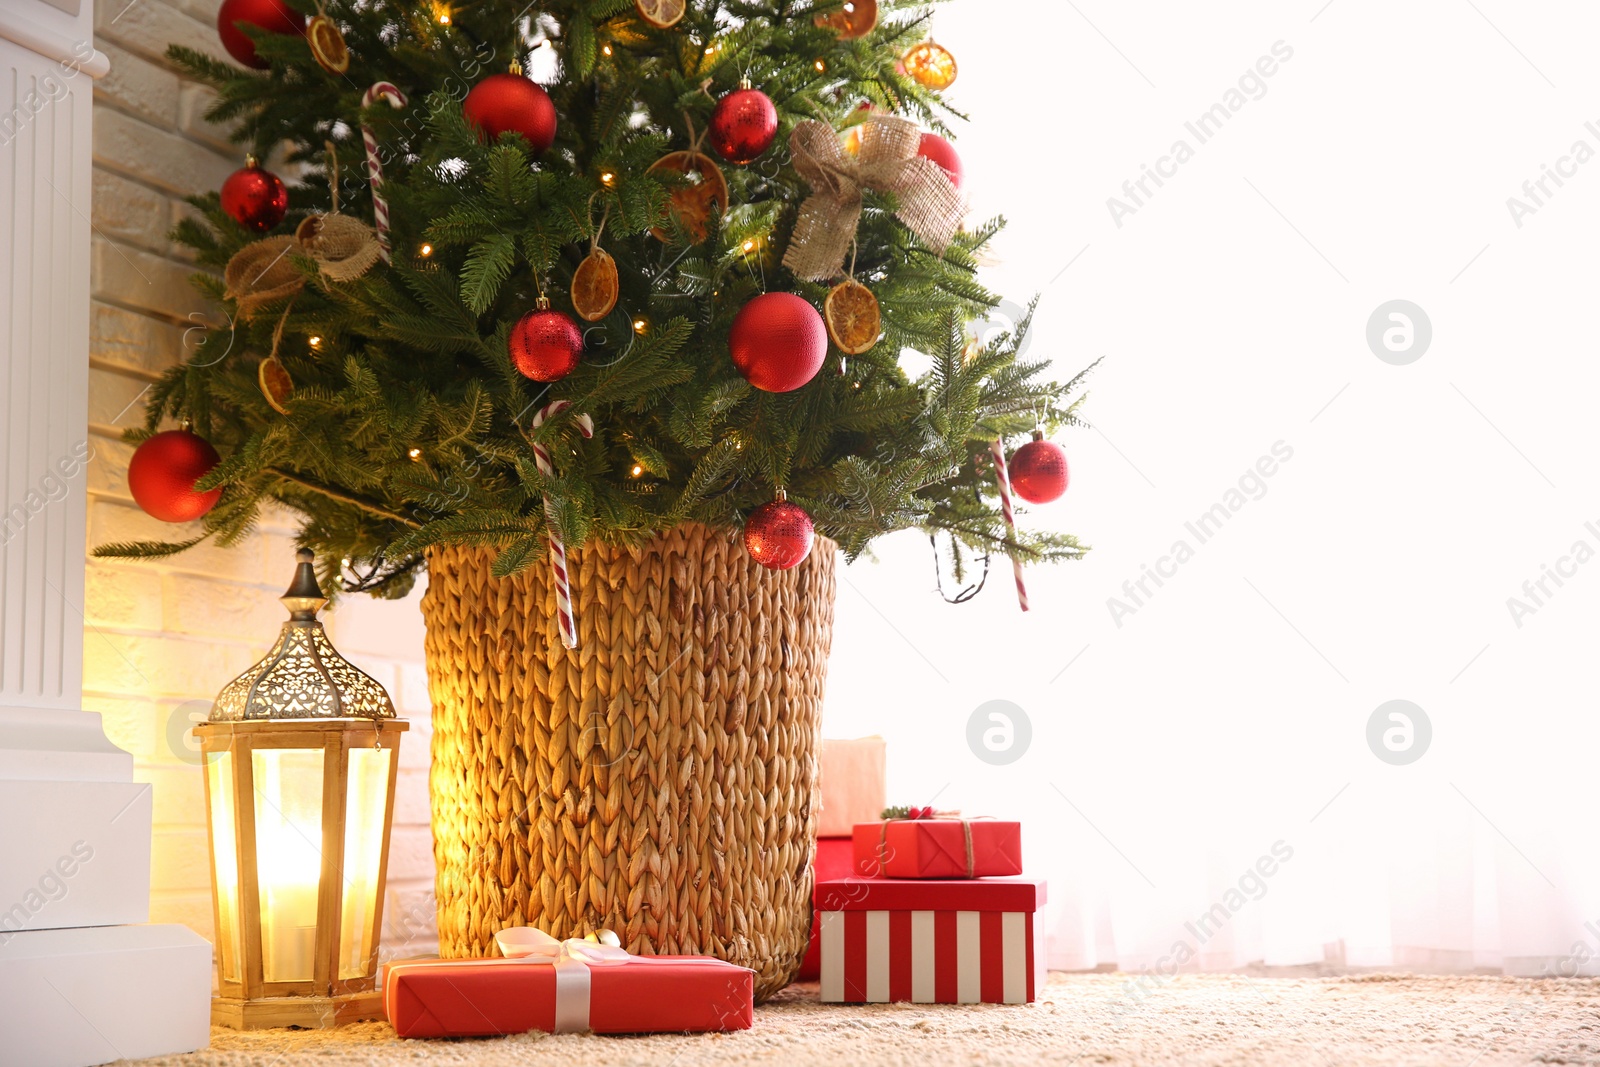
(1039, 471)
(943, 153)
(255, 198)
(778, 342)
(743, 125)
(273, 15)
(778, 535)
(510, 103)
(162, 473)
(546, 345)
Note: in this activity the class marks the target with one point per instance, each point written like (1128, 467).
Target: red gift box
(573, 988)
(835, 859)
(938, 848)
(931, 941)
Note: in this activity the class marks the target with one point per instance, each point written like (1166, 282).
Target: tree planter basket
(659, 779)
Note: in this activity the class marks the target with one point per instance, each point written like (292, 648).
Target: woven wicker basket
(659, 780)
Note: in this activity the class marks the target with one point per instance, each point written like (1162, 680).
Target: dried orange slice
(931, 65)
(691, 203)
(327, 45)
(855, 19)
(595, 285)
(661, 13)
(851, 312)
(276, 385)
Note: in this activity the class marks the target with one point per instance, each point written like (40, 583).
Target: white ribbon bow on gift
(571, 959)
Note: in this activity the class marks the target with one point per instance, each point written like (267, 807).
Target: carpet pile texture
(1090, 1019)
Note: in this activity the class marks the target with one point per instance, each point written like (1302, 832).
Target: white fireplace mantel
(75, 947)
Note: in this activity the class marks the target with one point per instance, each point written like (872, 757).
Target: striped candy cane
(1000, 476)
(380, 206)
(558, 551)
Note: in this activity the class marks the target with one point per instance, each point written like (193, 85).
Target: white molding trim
(53, 46)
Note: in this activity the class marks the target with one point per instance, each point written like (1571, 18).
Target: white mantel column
(82, 979)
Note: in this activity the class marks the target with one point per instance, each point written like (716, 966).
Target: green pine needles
(409, 426)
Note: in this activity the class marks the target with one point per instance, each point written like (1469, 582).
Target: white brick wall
(158, 635)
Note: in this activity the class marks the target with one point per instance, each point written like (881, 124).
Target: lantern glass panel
(366, 806)
(225, 862)
(288, 801)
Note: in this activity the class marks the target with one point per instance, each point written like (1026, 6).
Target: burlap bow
(925, 199)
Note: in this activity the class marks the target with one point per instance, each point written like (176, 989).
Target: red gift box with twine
(938, 845)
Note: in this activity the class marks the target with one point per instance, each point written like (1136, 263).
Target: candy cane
(1004, 480)
(558, 551)
(380, 206)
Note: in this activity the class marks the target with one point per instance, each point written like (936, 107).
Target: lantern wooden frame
(245, 999)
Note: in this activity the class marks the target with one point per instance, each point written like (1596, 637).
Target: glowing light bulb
(637, 470)
(425, 250)
(821, 66)
(607, 178)
(314, 341)
(639, 325)
(605, 49)
(415, 454)
(750, 245)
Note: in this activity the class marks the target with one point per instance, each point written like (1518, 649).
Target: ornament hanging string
(998, 450)
(380, 206)
(565, 616)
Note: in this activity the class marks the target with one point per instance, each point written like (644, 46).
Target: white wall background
(1230, 711)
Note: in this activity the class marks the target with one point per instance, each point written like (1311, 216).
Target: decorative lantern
(300, 760)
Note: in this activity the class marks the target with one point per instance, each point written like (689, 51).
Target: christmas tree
(624, 240)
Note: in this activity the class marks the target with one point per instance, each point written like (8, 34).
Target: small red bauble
(1039, 470)
(162, 473)
(743, 125)
(254, 197)
(943, 153)
(778, 342)
(778, 534)
(546, 345)
(273, 15)
(510, 103)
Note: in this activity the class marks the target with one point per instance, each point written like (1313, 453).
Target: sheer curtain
(1191, 711)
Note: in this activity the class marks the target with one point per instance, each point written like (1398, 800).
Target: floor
(1092, 1019)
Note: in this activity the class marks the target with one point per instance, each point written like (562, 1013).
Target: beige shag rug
(1088, 1019)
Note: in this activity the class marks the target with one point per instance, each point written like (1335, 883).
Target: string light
(444, 16)
(607, 178)
(639, 325)
(750, 244)
(314, 341)
(637, 470)
(415, 454)
(425, 251)
(821, 66)
(605, 49)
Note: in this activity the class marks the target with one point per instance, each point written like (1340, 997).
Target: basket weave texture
(660, 779)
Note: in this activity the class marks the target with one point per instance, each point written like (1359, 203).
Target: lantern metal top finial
(303, 677)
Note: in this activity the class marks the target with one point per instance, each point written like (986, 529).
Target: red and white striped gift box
(930, 941)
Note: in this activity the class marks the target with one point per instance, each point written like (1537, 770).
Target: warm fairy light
(855, 385)
(605, 49)
(443, 15)
(314, 342)
(750, 244)
(425, 250)
(606, 178)
(415, 454)
(710, 50)
(821, 66)
(639, 325)
(345, 562)
(637, 470)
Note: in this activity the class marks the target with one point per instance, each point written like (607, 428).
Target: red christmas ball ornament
(254, 197)
(943, 153)
(510, 103)
(162, 473)
(744, 124)
(272, 15)
(1039, 470)
(546, 345)
(778, 534)
(778, 342)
